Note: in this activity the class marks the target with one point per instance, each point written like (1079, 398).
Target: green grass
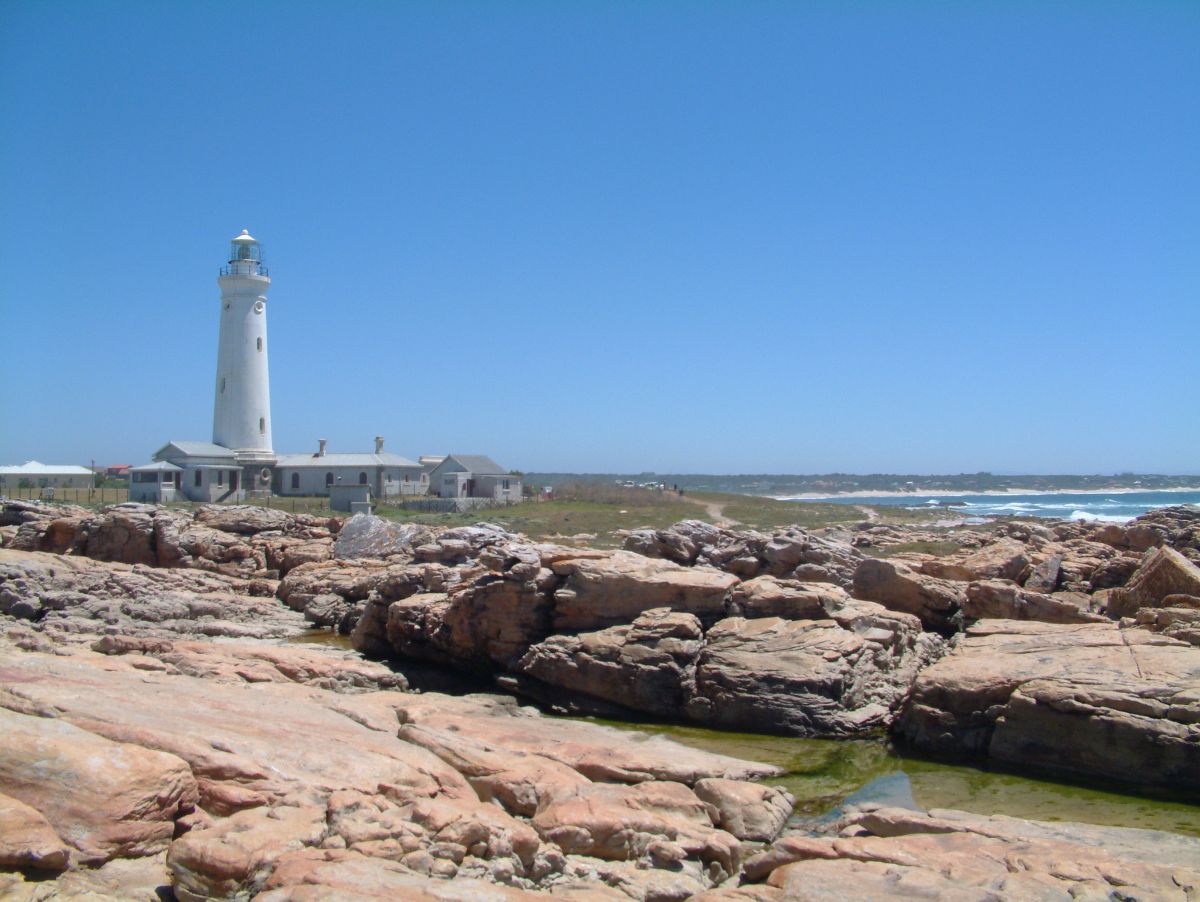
(758, 512)
(549, 520)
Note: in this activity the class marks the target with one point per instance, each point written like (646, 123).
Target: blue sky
(706, 237)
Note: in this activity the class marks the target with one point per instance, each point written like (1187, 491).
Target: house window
(198, 477)
(328, 480)
(295, 480)
(262, 425)
(505, 485)
(362, 478)
(220, 477)
(260, 344)
(388, 477)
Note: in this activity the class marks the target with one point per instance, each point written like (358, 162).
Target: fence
(449, 505)
(307, 504)
(67, 495)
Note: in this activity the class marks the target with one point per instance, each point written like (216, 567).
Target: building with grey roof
(387, 474)
(474, 476)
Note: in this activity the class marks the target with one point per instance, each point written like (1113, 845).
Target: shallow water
(1114, 507)
(821, 773)
(321, 636)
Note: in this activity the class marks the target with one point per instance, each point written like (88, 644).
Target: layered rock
(646, 665)
(232, 540)
(603, 592)
(942, 854)
(104, 799)
(67, 595)
(793, 553)
(27, 840)
(1076, 699)
(933, 600)
(432, 795)
(1004, 600)
(829, 677)
(1165, 579)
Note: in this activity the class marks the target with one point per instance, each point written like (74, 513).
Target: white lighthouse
(242, 406)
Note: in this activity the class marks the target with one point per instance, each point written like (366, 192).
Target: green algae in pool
(820, 773)
(321, 636)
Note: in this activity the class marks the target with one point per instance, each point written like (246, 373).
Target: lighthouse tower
(242, 406)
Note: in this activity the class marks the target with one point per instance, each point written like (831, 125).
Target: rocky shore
(160, 737)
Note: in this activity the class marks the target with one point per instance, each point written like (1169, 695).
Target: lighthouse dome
(245, 247)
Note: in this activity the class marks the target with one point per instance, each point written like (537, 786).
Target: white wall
(242, 392)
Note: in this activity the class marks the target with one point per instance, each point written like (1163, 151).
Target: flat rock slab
(1077, 699)
(104, 799)
(603, 592)
(952, 855)
(65, 596)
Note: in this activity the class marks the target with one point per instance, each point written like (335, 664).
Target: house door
(233, 480)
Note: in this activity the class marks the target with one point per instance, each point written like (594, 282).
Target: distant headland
(876, 484)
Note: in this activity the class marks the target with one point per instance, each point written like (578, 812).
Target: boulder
(490, 622)
(104, 799)
(1178, 623)
(368, 536)
(1078, 700)
(768, 596)
(242, 519)
(656, 821)
(599, 753)
(1005, 559)
(76, 597)
(750, 811)
(603, 592)
(644, 666)
(1045, 577)
(125, 533)
(897, 587)
(27, 840)
(1005, 600)
(953, 855)
(232, 858)
(1163, 572)
(829, 677)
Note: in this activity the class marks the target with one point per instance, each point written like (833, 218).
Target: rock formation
(158, 732)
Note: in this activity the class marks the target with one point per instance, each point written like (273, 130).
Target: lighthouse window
(222, 385)
(260, 344)
(262, 425)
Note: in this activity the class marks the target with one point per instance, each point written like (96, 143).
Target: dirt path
(871, 515)
(716, 510)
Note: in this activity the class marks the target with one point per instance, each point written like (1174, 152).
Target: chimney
(321, 447)
(379, 444)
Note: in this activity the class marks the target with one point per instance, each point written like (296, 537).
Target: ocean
(1117, 507)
